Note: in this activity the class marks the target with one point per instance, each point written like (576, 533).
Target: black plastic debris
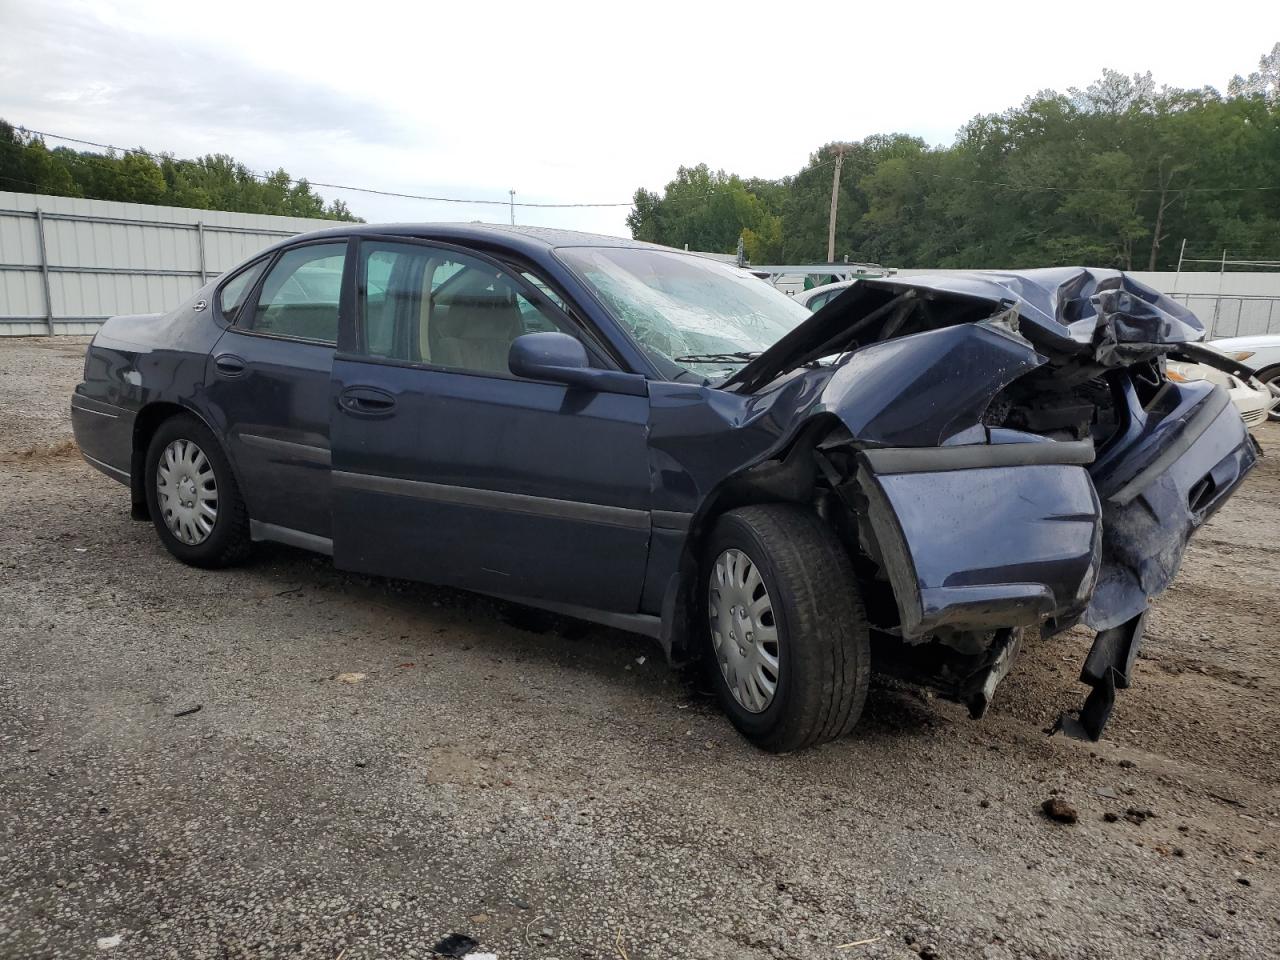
(455, 945)
(1108, 668)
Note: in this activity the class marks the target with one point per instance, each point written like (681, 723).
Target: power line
(866, 162)
(385, 193)
(317, 183)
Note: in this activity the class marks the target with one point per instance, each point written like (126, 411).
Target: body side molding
(290, 537)
(297, 451)
(496, 500)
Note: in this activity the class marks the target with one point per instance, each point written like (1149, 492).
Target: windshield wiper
(741, 356)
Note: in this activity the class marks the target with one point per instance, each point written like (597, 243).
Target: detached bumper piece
(983, 537)
(1108, 668)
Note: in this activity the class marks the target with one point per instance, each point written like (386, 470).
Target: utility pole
(513, 208)
(835, 197)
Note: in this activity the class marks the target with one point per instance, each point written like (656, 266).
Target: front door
(269, 383)
(449, 469)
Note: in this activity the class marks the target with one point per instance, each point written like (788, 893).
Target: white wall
(107, 258)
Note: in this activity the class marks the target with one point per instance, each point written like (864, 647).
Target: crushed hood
(1105, 316)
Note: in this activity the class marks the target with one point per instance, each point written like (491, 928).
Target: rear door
(449, 469)
(269, 383)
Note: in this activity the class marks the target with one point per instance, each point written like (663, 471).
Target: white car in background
(1262, 353)
(1255, 400)
(819, 297)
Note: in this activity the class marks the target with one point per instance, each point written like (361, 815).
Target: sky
(567, 102)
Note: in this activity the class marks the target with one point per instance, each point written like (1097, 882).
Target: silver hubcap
(743, 630)
(187, 492)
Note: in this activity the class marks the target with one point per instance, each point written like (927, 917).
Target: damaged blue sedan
(906, 480)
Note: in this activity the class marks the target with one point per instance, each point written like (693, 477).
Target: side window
(379, 324)
(534, 319)
(447, 309)
(300, 295)
(232, 295)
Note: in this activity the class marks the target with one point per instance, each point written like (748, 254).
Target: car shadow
(460, 620)
(469, 616)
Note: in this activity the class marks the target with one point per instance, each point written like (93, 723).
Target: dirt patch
(45, 453)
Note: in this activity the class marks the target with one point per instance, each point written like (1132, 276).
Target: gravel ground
(562, 794)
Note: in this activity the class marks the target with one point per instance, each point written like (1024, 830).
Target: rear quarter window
(232, 296)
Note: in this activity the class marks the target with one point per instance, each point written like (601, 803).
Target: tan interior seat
(475, 332)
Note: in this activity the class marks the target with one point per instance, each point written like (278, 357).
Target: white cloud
(564, 102)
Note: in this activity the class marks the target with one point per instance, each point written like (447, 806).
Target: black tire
(228, 542)
(1269, 377)
(824, 645)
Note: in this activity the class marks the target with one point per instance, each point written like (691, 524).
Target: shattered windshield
(699, 314)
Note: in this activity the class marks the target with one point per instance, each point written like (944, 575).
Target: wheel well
(790, 476)
(145, 425)
(1269, 371)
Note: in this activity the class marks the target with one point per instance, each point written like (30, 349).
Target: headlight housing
(1184, 372)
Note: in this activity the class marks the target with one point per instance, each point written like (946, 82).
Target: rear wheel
(192, 495)
(788, 648)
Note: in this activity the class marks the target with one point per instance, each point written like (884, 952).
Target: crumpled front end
(1012, 455)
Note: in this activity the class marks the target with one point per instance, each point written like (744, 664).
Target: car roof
(524, 239)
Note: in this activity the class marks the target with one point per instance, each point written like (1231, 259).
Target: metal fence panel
(66, 264)
(1234, 316)
(107, 295)
(18, 241)
(223, 250)
(21, 293)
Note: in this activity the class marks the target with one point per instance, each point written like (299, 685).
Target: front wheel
(788, 647)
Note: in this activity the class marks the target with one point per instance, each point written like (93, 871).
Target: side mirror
(560, 358)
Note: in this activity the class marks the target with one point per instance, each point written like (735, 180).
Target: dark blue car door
(268, 386)
(449, 469)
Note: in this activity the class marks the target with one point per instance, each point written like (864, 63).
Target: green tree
(215, 182)
(706, 210)
(27, 166)
(1112, 174)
